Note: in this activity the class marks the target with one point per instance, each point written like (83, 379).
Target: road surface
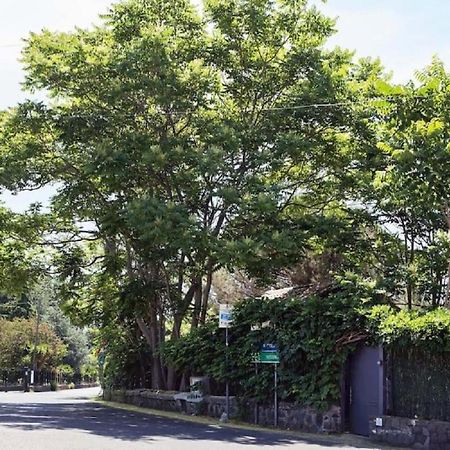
(69, 420)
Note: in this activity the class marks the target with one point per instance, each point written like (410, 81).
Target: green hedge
(422, 329)
(315, 335)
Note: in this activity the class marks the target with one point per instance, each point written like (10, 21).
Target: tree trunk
(206, 292)
(176, 329)
(150, 333)
(197, 305)
(161, 339)
(411, 261)
(407, 262)
(447, 293)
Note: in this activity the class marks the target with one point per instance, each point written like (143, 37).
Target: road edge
(310, 438)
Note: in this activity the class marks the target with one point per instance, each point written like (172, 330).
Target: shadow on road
(131, 426)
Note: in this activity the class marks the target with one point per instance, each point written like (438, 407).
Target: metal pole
(36, 341)
(275, 397)
(227, 387)
(26, 386)
(256, 401)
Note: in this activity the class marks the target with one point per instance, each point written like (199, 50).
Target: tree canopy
(178, 140)
(185, 145)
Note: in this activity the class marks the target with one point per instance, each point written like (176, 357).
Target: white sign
(192, 397)
(258, 327)
(225, 316)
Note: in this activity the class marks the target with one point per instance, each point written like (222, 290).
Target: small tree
(18, 344)
(410, 187)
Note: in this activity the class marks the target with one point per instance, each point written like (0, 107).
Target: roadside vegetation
(206, 158)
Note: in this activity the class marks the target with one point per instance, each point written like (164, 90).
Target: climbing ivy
(315, 334)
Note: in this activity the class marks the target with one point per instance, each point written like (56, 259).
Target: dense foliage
(187, 144)
(315, 335)
(21, 340)
(406, 329)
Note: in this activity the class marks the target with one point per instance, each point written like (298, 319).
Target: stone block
(439, 437)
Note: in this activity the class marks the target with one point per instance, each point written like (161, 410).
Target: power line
(11, 45)
(313, 105)
(275, 108)
(184, 112)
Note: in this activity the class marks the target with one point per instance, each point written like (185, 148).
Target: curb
(309, 438)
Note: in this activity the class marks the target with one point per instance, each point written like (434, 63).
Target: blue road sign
(269, 348)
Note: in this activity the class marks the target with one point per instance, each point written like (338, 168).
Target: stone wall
(145, 398)
(411, 433)
(290, 416)
(293, 417)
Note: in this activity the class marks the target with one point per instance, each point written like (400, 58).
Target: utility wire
(11, 45)
(268, 109)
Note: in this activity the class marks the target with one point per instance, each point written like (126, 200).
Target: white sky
(403, 33)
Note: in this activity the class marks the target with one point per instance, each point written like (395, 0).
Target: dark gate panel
(420, 381)
(366, 388)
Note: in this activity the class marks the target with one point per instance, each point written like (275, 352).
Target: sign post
(268, 354)
(256, 411)
(225, 316)
(275, 397)
(225, 319)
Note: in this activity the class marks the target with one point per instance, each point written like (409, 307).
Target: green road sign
(269, 357)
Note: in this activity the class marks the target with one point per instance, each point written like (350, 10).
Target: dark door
(366, 388)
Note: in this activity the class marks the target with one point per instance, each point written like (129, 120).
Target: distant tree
(15, 307)
(46, 305)
(18, 344)
(75, 338)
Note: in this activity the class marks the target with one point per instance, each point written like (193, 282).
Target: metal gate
(366, 388)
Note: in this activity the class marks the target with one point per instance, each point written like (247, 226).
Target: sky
(405, 34)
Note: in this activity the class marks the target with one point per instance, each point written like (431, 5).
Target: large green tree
(181, 144)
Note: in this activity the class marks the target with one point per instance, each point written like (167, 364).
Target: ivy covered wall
(315, 333)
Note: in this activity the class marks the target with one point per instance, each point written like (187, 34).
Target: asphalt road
(69, 420)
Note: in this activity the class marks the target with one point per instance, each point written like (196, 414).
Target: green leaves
(397, 329)
(22, 261)
(17, 343)
(311, 332)
(161, 131)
